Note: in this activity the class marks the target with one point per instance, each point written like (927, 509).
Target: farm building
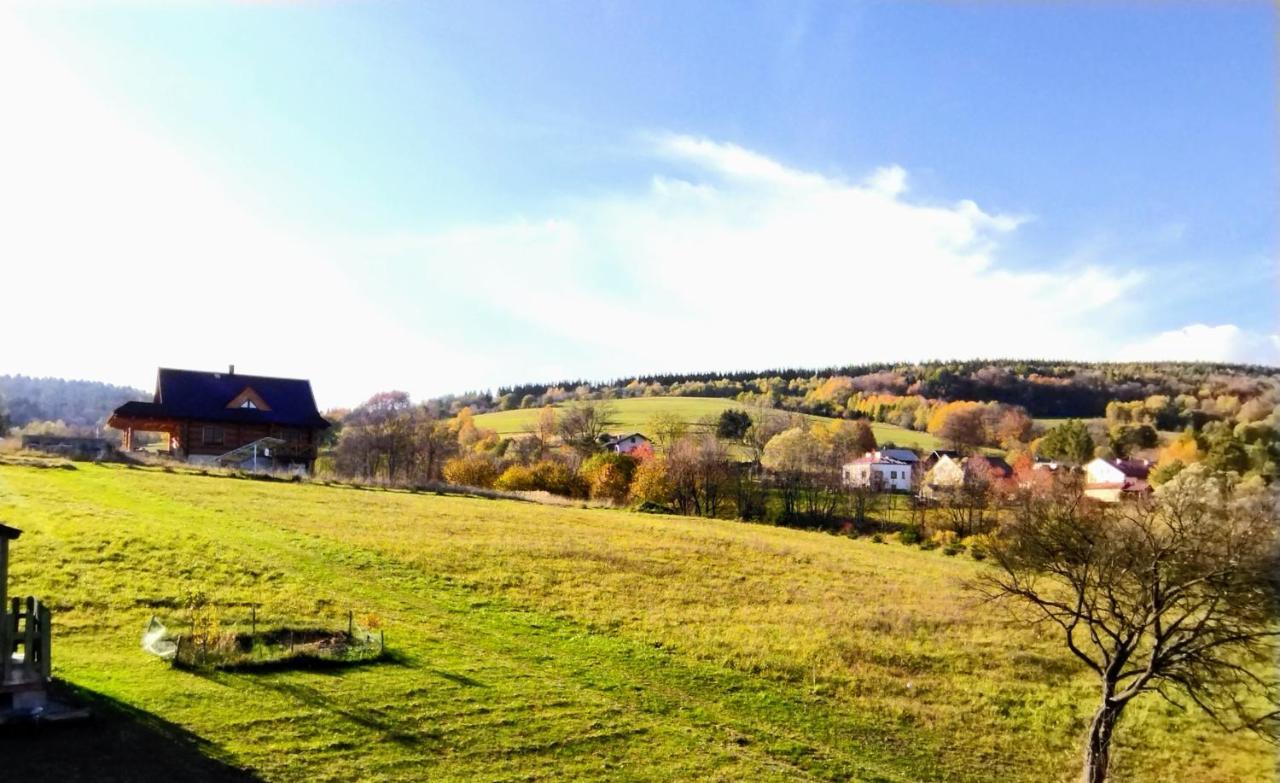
(878, 470)
(228, 419)
(625, 444)
(1112, 480)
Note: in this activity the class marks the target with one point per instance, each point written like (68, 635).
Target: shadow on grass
(117, 743)
(386, 723)
(460, 679)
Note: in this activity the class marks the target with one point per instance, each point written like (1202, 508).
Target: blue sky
(443, 196)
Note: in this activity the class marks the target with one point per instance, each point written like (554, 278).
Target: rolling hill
(540, 643)
(634, 414)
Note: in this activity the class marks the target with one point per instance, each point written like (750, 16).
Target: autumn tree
(1012, 427)
(803, 472)
(961, 423)
(1176, 597)
(698, 469)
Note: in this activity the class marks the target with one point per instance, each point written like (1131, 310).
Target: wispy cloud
(733, 259)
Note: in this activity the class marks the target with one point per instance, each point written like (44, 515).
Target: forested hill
(1043, 388)
(80, 404)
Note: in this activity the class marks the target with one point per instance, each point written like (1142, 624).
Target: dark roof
(902, 455)
(9, 532)
(191, 394)
(1132, 468)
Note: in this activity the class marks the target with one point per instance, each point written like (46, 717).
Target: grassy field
(538, 643)
(635, 413)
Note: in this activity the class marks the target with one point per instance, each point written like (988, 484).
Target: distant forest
(1044, 388)
(77, 404)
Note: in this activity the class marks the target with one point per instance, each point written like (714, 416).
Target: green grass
(539, 643)
(634, 414)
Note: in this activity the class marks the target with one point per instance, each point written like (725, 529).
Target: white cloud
(1202, 342)
(747, 263)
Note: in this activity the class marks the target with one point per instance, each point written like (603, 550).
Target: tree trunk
(1097, 752)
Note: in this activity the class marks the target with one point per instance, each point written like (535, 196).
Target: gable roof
(9, 532)
(902, 455)
(192, 394)
(1131, 468)
(620, 438)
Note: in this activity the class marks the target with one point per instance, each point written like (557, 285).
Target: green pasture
(535, 643)
(635, 414)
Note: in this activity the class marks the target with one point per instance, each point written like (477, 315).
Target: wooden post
(6, 645)
(4, 573)
(351, 624)
(253, 621)
(29, 637)
(46, 642)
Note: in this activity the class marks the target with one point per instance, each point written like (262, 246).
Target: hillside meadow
(541, 643)
(636, 414)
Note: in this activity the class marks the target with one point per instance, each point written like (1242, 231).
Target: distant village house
(218, 418)
(625, 444)
(1113, 480)
(878, 470)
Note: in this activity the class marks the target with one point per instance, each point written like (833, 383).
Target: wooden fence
(26, 628)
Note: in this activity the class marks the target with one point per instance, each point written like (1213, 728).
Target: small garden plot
(274, 649)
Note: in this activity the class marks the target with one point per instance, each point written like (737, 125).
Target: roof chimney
(231, 369)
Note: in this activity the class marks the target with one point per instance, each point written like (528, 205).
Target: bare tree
(1178, 596)
(667, 428)
(584, 422)
(700, 472)
(543, 431)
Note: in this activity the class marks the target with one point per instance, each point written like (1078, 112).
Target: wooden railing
(26, 628)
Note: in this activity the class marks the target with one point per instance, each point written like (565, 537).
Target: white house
(625, 444)
(878, 470)
(1112, 480)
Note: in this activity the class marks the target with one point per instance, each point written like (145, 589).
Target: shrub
(517, 478)
(608, 475)
(556, 478)
(877, 539)
(910, 535)
(944, 537)
(474, 470)
(953, 549)
(980, 546)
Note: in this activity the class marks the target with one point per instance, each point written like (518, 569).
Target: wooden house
(227, 418)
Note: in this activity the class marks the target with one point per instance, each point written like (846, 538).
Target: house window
(893, 474)
(212, 436)
(248, 404)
